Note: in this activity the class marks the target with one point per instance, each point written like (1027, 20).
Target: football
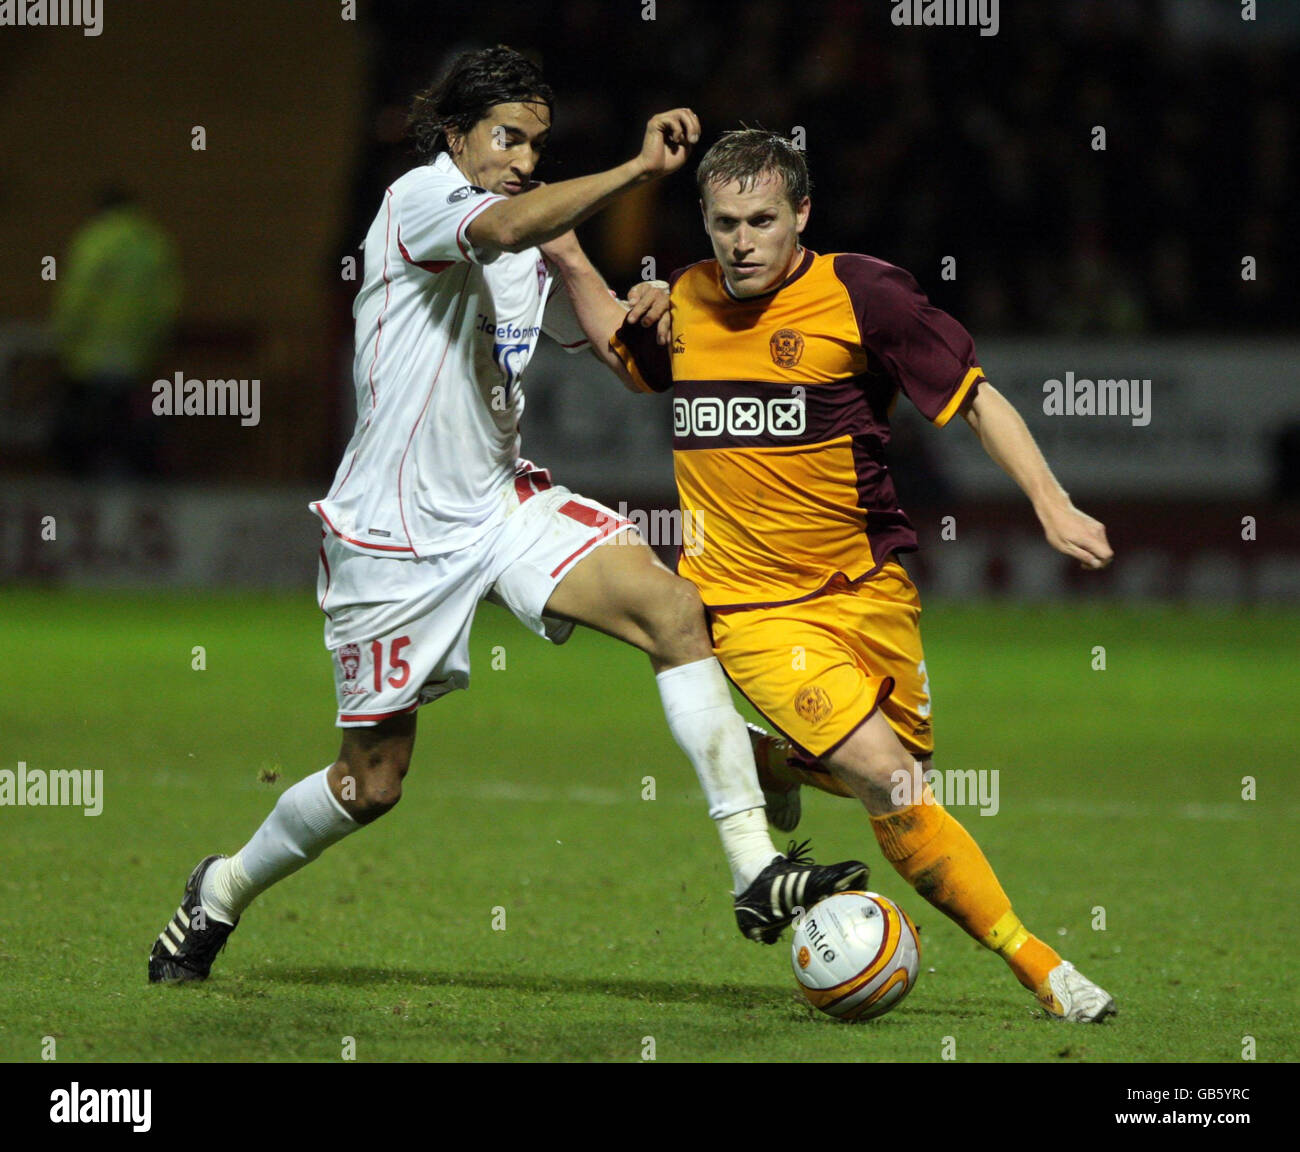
(856, 955)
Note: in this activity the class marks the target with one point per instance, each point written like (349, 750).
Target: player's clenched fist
(668, 140)
(1078, 535)
(650, 308)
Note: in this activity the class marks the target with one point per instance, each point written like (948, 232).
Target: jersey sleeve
(927, 353)
(560, 322)
(647, 361)
(431, 216)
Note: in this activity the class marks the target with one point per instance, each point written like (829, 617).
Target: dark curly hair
(475, 82)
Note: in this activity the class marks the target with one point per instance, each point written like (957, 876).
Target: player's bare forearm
(549, 210)
(546, 211)
(1011, 446)
(598, 311)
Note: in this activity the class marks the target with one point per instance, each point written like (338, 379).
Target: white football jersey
(443, 334)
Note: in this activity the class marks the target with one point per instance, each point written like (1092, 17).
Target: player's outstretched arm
(598, 311)
(1010, 444)
(546, 211)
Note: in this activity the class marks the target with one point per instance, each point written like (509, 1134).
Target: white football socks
(748, 845)
(305, 821)
(707, 727)
(307, 818)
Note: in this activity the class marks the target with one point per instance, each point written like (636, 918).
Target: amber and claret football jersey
(781, 416)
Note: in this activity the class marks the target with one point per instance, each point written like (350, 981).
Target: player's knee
(374, 796)
(894, 772)
(371, 785)
(674, 621)
(379, 794)
(883, 774)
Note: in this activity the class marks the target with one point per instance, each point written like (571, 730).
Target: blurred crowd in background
(928, 147)
(937, 142)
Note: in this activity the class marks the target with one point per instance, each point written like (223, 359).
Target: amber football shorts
(818, 668)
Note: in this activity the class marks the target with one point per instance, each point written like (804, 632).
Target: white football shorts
(399, 630)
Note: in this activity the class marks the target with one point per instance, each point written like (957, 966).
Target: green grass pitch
(1120, 795)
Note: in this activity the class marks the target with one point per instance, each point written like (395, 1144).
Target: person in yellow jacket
(117, 298)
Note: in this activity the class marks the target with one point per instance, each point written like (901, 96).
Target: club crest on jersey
(813, 704)
(465, 193)
(786, 347)
(350, 661)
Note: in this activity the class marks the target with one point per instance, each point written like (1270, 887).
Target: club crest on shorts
(813, 704)
(350, 661)
(786, 347)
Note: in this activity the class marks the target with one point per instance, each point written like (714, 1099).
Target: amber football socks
(939, 858)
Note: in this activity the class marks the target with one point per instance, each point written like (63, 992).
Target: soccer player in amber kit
(784, 365)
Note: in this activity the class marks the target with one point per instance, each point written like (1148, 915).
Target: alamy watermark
(181, 397)
(61, 788)
(981, 14)
(953, 788)
(88, 15)
(78, 1105)
(1082, 397)
(667, 528)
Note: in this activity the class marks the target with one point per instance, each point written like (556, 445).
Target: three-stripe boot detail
(191, 940)
(789, 885)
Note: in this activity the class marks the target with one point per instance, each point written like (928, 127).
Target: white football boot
(1069, 995)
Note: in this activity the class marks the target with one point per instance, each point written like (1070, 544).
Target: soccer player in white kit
(433, 509)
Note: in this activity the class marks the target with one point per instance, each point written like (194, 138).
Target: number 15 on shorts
(399, 671)
(365, 693)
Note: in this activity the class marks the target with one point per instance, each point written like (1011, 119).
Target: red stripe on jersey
(326, 565)
(522, 465)
(531, 481)
(460, 228)
(359, 543)
(455, 325)
(379, 331)
(388, 282)
(434, 266)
